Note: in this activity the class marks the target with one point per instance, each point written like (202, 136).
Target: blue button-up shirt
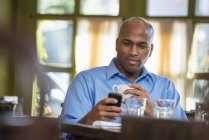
(91, 86)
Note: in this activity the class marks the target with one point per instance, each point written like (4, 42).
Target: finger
(134, 92)
(140, 95)
(107, 118)
(112, 108)
(108, 101)
(136, 86)
(110, 114)
(109, 108)
(137, 90)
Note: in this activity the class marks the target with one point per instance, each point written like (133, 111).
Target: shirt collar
(144, 73)
(112, 70)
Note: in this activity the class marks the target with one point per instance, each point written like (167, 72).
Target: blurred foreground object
(18, 64)
(18, 109)
(17, 68)
(161, 129)
(6, 107)
(28, 128)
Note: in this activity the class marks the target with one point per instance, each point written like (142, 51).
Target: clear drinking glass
(135, 106)
(164, 108)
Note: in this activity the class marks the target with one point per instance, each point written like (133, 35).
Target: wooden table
(86, 132)
(158, 129)
(142, 129)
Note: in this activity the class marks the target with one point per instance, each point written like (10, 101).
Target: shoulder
(159, 78)
(161, 81)
(95, 71)
(92, 73)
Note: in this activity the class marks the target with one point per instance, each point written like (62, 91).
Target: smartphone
(116, 96)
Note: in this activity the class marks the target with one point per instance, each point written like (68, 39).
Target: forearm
(86, 120)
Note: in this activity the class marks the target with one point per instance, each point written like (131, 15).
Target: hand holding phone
(115, 96)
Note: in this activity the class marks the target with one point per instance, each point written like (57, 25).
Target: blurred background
(64, 37)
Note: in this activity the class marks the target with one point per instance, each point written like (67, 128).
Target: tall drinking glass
(164, 108)
(135, 106)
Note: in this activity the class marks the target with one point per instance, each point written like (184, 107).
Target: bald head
(137, 21)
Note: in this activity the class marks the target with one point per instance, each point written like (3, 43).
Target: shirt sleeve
(78, 101)
(172, 93)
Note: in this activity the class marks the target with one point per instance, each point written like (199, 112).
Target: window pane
(170, 46)
(167, 7)
(56, 6)
(201, 90)
(54, 42)
(100, 7)
(199, 61)
(202, 8)
(95, 42)
(55, 91)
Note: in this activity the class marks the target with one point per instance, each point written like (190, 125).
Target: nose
(133, 50)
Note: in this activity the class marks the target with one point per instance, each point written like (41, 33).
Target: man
(86, 100)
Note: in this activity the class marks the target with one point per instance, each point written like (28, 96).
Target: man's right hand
(102, 111)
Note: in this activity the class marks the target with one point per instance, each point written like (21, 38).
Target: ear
(151, 50)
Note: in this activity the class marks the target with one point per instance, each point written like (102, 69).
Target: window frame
(27, 17)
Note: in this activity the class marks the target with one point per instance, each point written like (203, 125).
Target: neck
(132, 76)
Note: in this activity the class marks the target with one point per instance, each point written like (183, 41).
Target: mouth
(132, 61)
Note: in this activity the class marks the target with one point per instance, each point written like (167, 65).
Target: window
(67, 28)
(200, 49)
(60, 45)
(170, 47)
(177, 46)
(199, 62)
(167, 8)
(100, 7)
(55, 89)
(55, 6)
(202, 8)
(54, 42)
(95, 42)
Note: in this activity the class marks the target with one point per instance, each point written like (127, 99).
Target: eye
(142, 45)
(126, 43)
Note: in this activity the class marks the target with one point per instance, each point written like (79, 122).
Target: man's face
(133, 46)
